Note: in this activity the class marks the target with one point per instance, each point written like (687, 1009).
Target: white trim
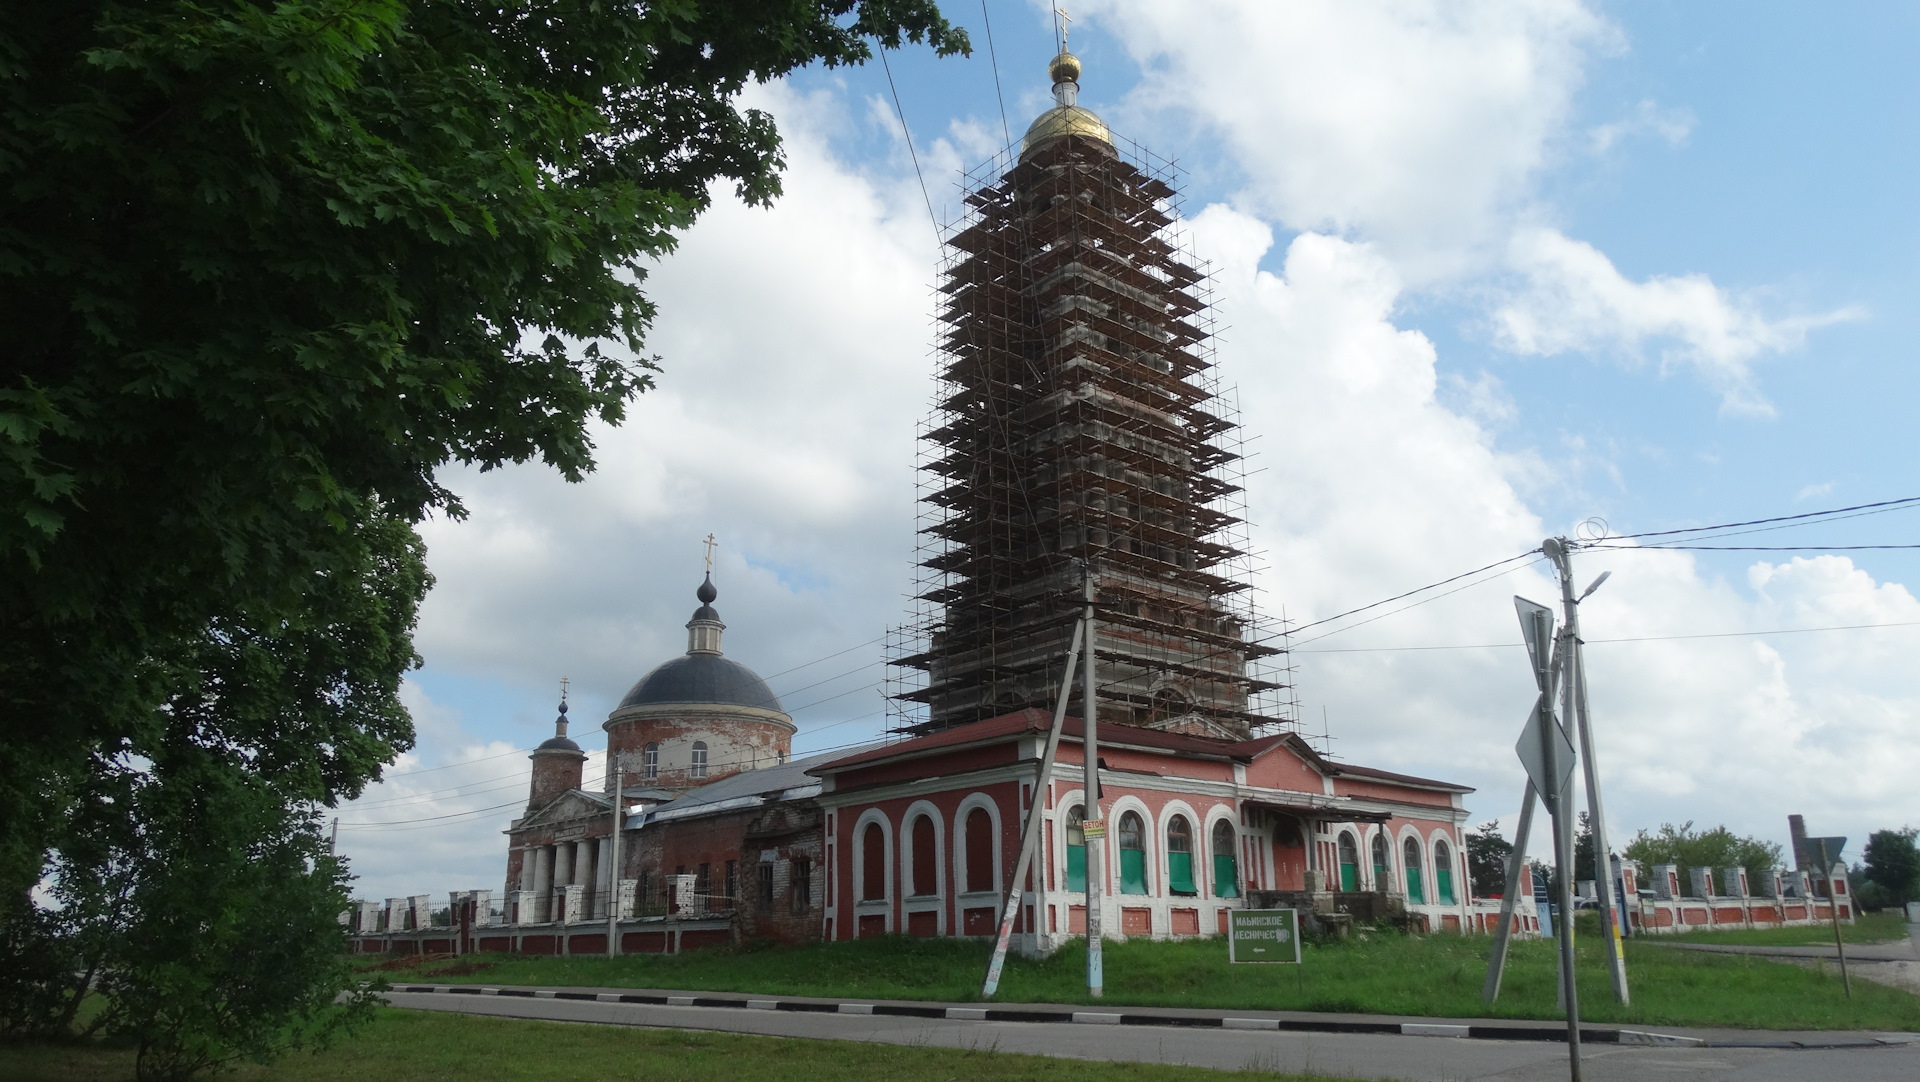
(908, 857)
(961, 812)
(1194, 823)
(1412, 833)
(1218, 815)
(858, 837)
(1116, 808)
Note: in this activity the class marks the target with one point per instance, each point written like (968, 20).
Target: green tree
(1487, 853)
(265, 267)
(1717, 848)
(1893, 864)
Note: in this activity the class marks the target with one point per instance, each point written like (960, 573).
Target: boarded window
(1180, 856)
(1416, 883)
(800, 885)
(979, 850)
(873, 864)
(1226, 865)
(925, 865)
(1349, 862)
(1076, 849)
(1133, 854)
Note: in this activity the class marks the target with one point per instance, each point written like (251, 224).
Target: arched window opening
(1349, 862)
(1416, 892)
(1226, 860)
(1443, 872)
(925, 867)
(1168, 702)
(873, 864)
(650, 761)
(979, 850)
(1076, 849)
(1180, 856)
(699, 759)
(1133, 854)
(1382, 870)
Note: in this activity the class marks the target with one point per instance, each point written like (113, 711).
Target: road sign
(1533, 757)
(1821, 853)
(1536, 627)
(1263, 935)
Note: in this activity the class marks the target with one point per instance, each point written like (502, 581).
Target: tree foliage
(1893, 864)
(1487, 854)
(1716, 848)
(265, 267)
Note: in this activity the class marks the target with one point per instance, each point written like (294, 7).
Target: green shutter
(1226, 877)
(1180, 873)
(1133, 871)
(1077, 867)
(1445, 876)
(1349, 877)
(1414, 893)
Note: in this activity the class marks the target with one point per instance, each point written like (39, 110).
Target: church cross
(1066, 25)
(563, 689)
(710, 543)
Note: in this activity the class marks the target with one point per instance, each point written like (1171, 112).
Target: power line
(432, 818)
(1409, 593)
(1763, 521)
(1004, 129)
(1745, 548)
(902, 114)
(1633, 638)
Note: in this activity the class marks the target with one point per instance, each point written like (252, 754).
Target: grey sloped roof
(703, 678)
(751, 788)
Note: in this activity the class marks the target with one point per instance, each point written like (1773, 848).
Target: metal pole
(1833, 908)
(1096, 846)
(1016, 893)
(1516, 867)
(1556, 801)
(613, 866)
(1576, 695)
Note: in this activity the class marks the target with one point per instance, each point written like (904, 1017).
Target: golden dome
(1065, 68)
(1062, 121)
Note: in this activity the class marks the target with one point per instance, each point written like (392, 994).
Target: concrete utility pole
(613, 864)
(1573, 691)
(1096, 840)
(1030, 844)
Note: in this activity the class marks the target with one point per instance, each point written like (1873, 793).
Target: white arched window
(1443, 872)
(650, 760)
(1416, 883)
(699, 759)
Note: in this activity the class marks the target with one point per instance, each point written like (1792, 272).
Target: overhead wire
(1906, 500)
(908, 135)
(1630, 638)
(1005, 130)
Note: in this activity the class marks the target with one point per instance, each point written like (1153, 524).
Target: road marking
(1249, 1023)
(1658, 1040)
(1096, 1018)
(763, 1004)
(680, 1001)
(545, 993)
(856, 1008)
(1431, 1029)
(968, 1014)
(608, 997)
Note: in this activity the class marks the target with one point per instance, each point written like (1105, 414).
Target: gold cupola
(1065, 118)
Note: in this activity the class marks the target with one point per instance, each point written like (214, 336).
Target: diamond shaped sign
(1533, 756)
(1536, 627)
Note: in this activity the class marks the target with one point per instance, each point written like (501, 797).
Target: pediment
(572, 806)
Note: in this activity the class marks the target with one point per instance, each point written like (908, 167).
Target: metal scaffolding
(1079, 420)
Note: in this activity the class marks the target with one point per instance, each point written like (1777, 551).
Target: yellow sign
(1094, 828)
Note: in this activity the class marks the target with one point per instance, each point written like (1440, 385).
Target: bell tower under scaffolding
(1078, 422)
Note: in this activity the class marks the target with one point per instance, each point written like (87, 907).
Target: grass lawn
(1871, 928)
(428, 1046)
(1384, 973)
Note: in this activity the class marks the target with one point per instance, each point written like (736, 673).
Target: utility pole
(1573, 691)
(1043, 782)
(613, 863)
(1096, 840)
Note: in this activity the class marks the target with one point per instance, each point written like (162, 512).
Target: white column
(542, 869)
(583, 868)
(527, 861)
(562, 864)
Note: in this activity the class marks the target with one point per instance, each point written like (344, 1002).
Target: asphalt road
(1366, 1056)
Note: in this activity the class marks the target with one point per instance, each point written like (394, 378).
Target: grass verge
(1382, 973)
(429, 1046)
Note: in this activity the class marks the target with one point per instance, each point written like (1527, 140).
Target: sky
(1487, 271)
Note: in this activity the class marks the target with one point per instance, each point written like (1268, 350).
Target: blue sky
(1487, 269)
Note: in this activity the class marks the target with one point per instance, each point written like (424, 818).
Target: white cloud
(1575, 300)
(1649, 117)
(1419, 126)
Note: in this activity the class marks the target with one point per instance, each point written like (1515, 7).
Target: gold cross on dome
(1066, 25)
(563, 689)
(710, 543)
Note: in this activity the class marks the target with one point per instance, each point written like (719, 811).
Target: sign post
(1263, 935)
(1826, 852)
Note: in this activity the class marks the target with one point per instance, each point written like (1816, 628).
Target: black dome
(558, 743)
(703, 678)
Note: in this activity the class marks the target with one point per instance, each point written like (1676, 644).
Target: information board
(1263, 935)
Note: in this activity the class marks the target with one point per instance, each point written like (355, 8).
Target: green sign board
(1263, 935)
